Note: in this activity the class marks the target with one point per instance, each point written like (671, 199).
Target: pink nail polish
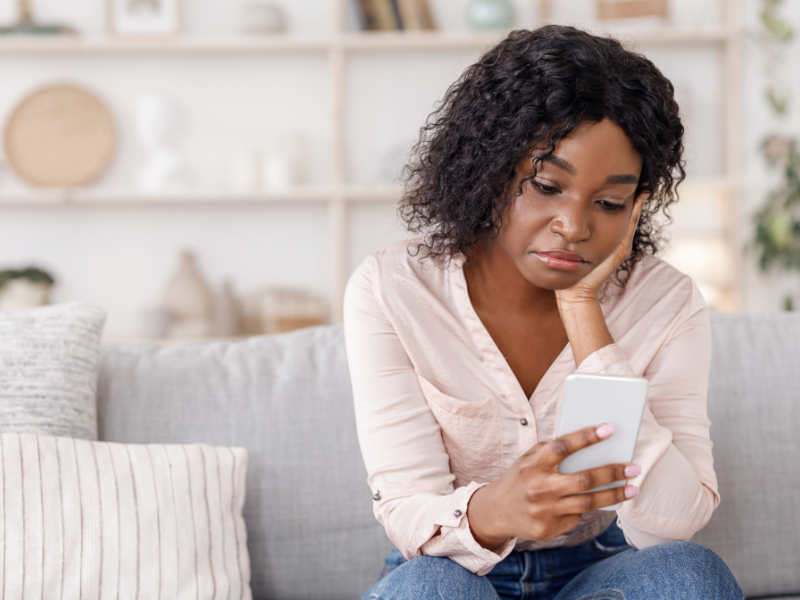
(633, 471)
(631, 492)
(604, 431)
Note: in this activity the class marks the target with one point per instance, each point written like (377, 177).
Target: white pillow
(48, 369)
(85, 519)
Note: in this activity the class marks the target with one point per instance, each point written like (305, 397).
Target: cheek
(609, 234)
(524, 220)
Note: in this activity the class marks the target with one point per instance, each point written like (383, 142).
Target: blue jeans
(605, 568)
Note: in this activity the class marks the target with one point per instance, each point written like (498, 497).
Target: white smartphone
(596, 399)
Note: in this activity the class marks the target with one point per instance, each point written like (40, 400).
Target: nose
(572, 222)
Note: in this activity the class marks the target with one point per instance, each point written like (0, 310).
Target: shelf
(669, 35)
(384, 193)
(171, 45)
(100, 197)
(465, 41)
(301, 195)
(400, 40)
(355, 42)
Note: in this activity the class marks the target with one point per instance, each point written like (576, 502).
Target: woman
(537, 185)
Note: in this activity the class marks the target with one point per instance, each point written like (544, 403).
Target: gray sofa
(311, 533)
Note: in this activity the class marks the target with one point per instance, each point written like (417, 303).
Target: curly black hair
(526, 93)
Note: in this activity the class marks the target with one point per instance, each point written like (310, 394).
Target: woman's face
(575, 212)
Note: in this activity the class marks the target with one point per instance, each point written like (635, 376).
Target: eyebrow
(616, 179)
(569, 168)
(560, 163)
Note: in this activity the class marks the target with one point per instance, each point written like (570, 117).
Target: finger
(638, 206)
(583, 503)
(583, 481)
(560, 448)
(623, 251)
(636, 213)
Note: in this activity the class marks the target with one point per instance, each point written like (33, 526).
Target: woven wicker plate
(60, 136)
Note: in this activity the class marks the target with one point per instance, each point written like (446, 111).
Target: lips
(560, 260)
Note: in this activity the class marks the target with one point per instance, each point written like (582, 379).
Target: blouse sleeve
(678, 486)
(407, 464)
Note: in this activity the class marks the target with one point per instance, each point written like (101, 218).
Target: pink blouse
(440, 413)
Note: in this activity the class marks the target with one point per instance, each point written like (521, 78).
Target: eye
(544, 189)
(611, 207)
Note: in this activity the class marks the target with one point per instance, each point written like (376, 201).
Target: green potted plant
(777, 222)
(24, 288)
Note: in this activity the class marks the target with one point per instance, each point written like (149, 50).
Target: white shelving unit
(338, 47)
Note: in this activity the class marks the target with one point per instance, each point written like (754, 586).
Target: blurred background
(213, 169)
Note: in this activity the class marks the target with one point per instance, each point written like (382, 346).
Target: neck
(494, 283)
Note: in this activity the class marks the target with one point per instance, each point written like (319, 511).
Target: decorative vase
(263, 17)
(486, 15)
(160, 125)
(23, 293)
(284, 165)
(245, 174)
(189, 301)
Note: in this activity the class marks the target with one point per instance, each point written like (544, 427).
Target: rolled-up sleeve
(678, 486)
(407, 464)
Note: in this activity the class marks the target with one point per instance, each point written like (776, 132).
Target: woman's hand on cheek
(588, 287)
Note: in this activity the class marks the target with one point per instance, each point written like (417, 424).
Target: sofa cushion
(754, 408)
(48, 369)
(287, 399)
(86, 519)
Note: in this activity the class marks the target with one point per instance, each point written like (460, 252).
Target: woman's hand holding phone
(534, 501)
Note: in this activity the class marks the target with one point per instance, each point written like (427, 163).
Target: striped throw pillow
(84, 519)
(48, 369)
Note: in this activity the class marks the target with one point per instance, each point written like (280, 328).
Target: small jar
(485, 15)
(263, 17)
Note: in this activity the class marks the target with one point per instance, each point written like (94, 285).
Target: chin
(554, 280)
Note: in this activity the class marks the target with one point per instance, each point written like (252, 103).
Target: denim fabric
(605, 568)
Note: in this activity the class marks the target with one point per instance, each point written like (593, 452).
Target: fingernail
(604, 431)
(631, 492)
(633, 471)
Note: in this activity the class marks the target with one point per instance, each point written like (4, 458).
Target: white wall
(121, 257)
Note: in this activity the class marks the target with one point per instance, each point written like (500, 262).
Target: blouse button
(457, 513)
(376, 496)
(523, 422)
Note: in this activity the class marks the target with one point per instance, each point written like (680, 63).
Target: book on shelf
(378, 15)
(395, 15)
(623, 9)
(416, 15)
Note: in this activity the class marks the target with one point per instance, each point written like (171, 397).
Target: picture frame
(144, 18)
